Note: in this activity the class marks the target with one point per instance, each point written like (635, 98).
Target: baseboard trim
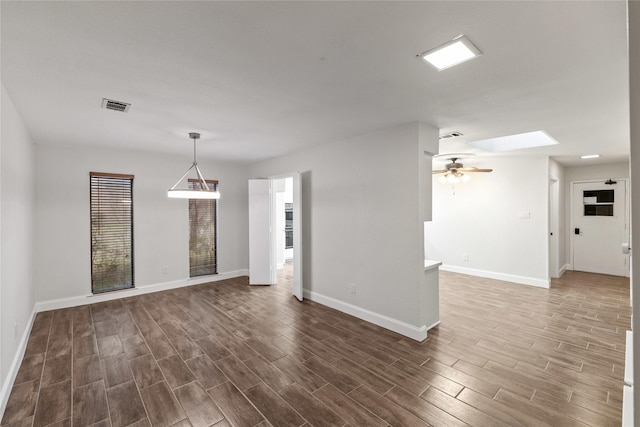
(563, 269)
(15, 364)
(523, 280)
(146, 289)
(433, 326)
(418, 333)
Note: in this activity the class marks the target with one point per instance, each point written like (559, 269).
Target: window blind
(203, 232)
(111, 206)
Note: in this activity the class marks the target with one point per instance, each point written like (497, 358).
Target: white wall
(634, 96)
(482, 221)
(362, 219)
(160, 224)
(17, 226)
(586, 173)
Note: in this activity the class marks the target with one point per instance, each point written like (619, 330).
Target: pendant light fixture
(201, 189)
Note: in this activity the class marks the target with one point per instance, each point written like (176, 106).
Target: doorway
(554, 251)
(275, 242)
(282, 226)
(599, 226)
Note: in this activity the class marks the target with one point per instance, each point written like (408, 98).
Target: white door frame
(627, 211)
(554, 247)
(297, 232)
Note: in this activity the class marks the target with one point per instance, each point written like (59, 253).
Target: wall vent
(110, 104)
(450, 135)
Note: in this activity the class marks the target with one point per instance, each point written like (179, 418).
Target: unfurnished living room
(310, 213)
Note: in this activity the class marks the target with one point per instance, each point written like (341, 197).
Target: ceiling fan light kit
(454, 171)
(201, 191)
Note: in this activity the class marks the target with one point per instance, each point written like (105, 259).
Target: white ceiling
(261, 79)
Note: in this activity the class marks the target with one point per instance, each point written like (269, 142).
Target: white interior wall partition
(17, 240)
(634, 93)
(363, 208)
(161, 225)
(495, 225)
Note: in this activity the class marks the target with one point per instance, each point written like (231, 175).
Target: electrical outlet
(465, 257)
(165, 270)
(524, 215)
(352, 288)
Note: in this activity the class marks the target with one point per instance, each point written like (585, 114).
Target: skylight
(451, 53)
(519, 141)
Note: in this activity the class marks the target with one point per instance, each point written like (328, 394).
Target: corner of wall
(17, 238)
(7, 384)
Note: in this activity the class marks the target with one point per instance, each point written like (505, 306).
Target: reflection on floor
(285, 275)
(227, 353)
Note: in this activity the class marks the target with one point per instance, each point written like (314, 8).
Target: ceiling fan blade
(477, 170)
(439, 171)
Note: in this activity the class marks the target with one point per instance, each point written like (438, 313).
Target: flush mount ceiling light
(519, 141)
(590, 156)
(451, 53)
(201, 189)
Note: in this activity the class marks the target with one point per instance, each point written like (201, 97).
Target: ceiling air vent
(110, 104)
(450, 135)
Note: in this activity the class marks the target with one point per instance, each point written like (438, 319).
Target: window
(111, 208)
(598, 202)
(203, 233)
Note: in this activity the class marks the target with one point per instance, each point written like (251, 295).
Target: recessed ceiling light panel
(451, 53)
(519, 141)
(590, 156)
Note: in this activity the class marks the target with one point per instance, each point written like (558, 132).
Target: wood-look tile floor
(229, 354)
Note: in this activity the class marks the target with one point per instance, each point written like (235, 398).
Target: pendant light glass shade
(200, 191)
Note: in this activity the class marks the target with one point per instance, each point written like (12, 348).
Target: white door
(259, 232)
(297, 236)
(599, 227)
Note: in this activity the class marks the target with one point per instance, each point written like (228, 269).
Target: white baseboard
(15, 364)
(145, 289)
(627, 406)
(563, 269)
(418, 333)
(523, 280)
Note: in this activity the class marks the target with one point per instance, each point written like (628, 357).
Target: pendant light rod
(194, 136)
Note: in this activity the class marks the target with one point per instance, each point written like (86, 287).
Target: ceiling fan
(454, 171)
